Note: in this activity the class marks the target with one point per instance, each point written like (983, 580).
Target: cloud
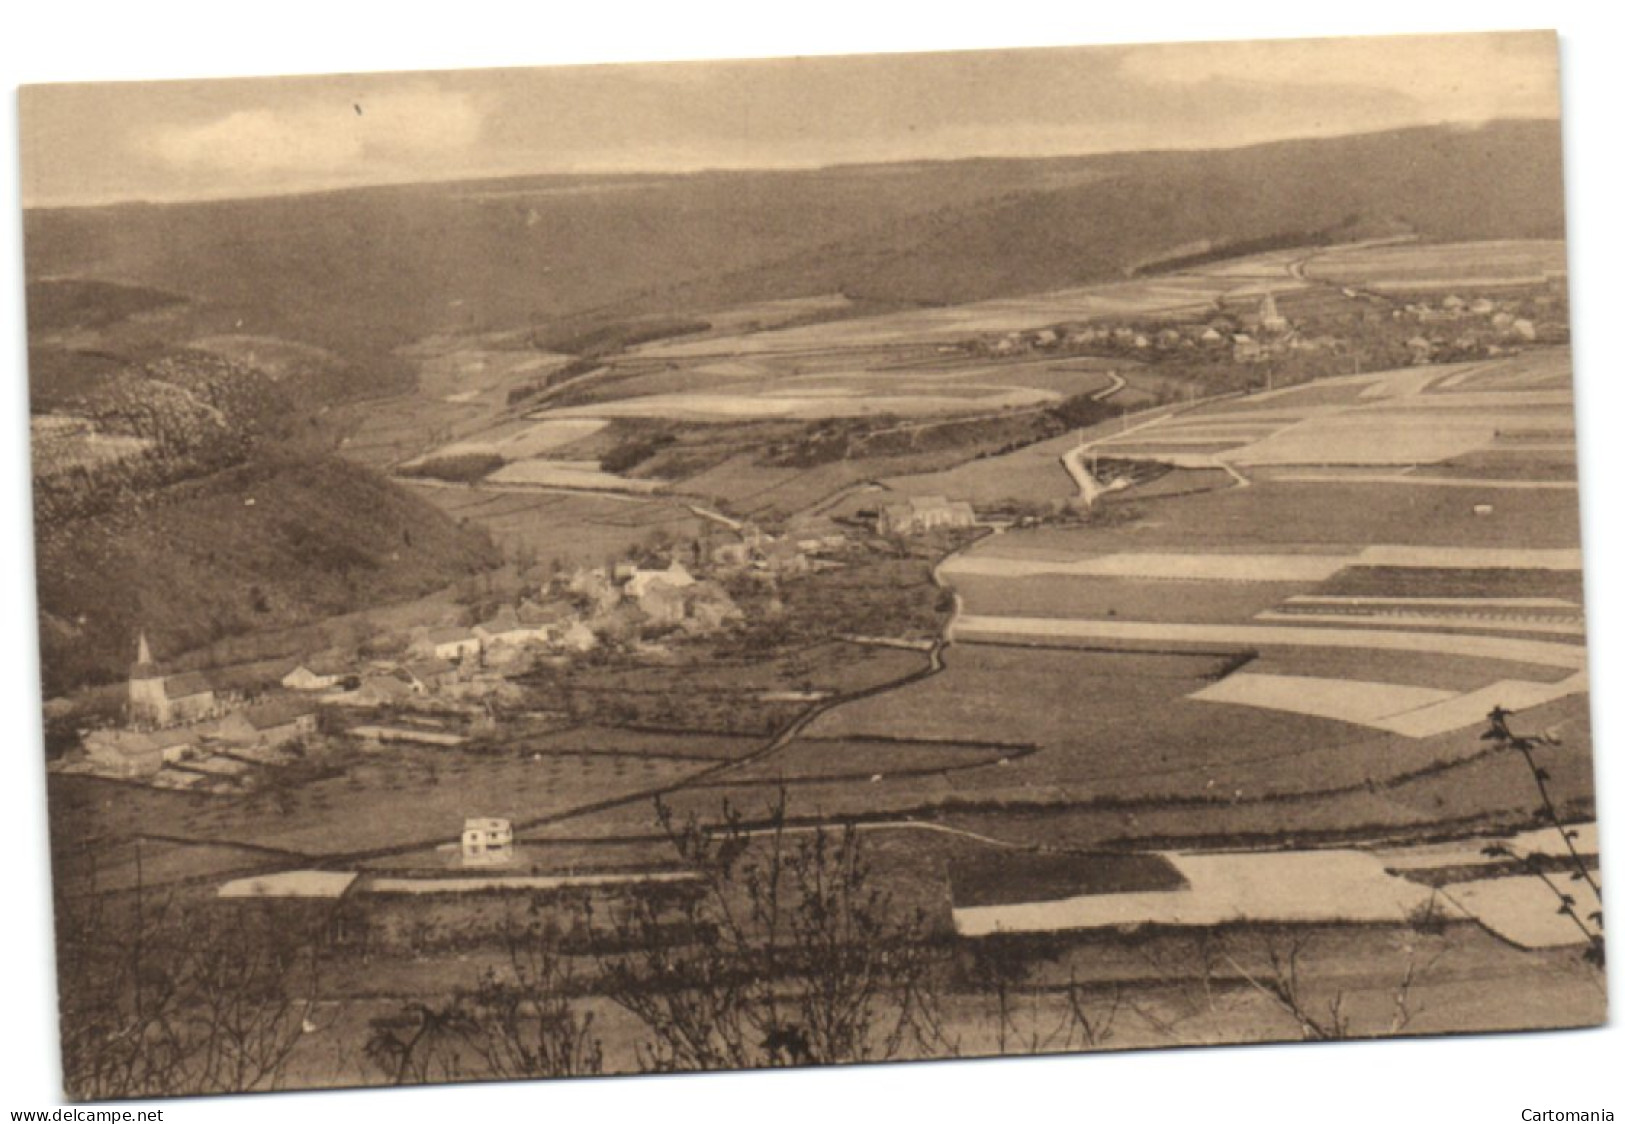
(1453, 77)
(338, 133)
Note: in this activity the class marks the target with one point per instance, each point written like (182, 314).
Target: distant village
(1483, 327)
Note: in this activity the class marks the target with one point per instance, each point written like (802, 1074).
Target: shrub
(465, 468)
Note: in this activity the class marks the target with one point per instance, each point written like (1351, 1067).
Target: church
(164, 700)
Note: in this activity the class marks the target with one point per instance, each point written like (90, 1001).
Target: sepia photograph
(763, 563)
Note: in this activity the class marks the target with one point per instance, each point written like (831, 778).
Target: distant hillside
(1444, 184)
(55, 306)
(273, 542)
(362, 271)
(80, 332)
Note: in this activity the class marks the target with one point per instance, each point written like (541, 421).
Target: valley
(1126, 604)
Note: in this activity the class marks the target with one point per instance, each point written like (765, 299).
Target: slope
(362, 271)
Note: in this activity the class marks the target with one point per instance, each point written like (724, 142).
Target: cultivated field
(1437, 266)
(1192, 291)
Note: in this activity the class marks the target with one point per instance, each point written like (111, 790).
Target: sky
(162, 141)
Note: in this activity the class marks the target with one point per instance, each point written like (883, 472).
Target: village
(216, 731)
(1260, 332)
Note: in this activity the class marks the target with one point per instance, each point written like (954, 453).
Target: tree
(161, 1001)
(782, 951)
(1587, 921)
(523, 1020)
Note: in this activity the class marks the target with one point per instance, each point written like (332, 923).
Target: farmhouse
(137, 753)
(314, 675)
(382, 690)
(506, 628)
(160, 700)
(918, 514)
(271, 724)
(453, 643)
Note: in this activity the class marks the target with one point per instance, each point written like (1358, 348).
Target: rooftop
(187, 683)
(277, 712)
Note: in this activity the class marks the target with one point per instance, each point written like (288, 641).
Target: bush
(465, 468)
(808, 962)
(633, 452)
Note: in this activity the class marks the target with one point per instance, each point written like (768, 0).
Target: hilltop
(363, 271)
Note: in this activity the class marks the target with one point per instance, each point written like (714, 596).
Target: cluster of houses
(182, 726)
(1487, 327)
(622, 597)
(1481, 327)
(182, 720)
(1248, 339)
(809, 543)
(1501, 315)
(465, 666)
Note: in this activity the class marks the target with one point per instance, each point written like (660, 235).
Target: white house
(487, 841)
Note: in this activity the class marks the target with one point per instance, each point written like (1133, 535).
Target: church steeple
(149, 699)
(1269, 315)
(144, 668)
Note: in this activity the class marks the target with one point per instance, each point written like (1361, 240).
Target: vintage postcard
(739, 564)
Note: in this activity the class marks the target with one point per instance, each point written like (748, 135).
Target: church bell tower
(149, 702)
